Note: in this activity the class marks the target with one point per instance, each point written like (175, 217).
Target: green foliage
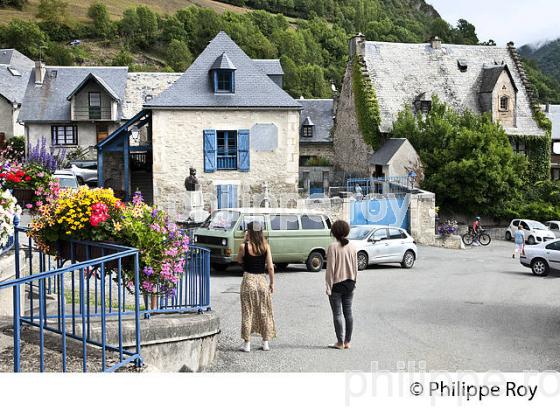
(318, 162)
(25, 36)
(17, 4)
(123, 58)
(57, 54)
(102, 25)
(468, 160)
(52, 11)
(546, 57)
(178, 55)
(542, 202)
(546, 87)
(367, 108)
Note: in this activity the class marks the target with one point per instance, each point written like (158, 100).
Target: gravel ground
(475, 309)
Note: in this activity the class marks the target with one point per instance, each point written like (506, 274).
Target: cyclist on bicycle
(477, 228)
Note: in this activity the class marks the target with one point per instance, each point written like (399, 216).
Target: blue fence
(95, 300)
(384, 185)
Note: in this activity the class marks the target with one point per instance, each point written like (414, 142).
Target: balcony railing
(92, 113)
(227, 161)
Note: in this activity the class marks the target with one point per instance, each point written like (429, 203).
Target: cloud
(520, 21)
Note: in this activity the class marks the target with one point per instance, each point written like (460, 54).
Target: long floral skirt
(256, 307)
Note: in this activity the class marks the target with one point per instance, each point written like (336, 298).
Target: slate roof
(48, 102)
(321, 113)
(400, 72)
(223, 63)
(270, 67)
(12, 87)
(553, 115)
(387, 151)
(490, 76)
(99, 81)
(253, 88)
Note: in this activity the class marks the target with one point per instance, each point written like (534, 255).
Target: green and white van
(295, 235)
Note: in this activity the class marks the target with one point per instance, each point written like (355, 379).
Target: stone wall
(422, 217)
(6, 118)
(178, 144)
(351, 152)
(317, 150)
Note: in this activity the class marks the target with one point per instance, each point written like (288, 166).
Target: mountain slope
(543, 68)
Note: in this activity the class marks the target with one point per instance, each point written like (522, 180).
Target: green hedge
(367, 108)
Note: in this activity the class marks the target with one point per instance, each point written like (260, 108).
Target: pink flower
(39, 203)
(29, 206)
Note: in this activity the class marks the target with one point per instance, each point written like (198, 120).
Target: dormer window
(223, 75)
(425, 106)
(223, 81)
(307, 128)
(504, 103)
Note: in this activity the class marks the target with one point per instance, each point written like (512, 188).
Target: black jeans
(341, 304)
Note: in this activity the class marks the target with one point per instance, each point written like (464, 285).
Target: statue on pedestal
(191, 182)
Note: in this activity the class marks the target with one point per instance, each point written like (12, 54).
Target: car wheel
(508, 236)
(315, 261)
(220, 267)
(531, 240)
(539, 267)
(80, 180)
(281, 266)
(362, 260)
(408, 260)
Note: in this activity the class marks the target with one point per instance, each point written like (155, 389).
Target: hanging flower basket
(79, 252)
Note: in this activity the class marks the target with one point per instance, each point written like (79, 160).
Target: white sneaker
(265, 346)
(246, 347)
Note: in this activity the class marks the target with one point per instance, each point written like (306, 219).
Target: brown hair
(340, 230)
(256, 238)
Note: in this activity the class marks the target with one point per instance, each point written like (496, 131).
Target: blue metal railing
(382, 185)
(225, 161)
(56, 299)
(97, 300)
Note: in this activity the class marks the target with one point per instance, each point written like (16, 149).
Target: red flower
(28, 178)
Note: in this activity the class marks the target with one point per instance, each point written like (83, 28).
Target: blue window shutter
(243, 150)
(215, 80)
(233, 81)
(210, 144)
(233, 196)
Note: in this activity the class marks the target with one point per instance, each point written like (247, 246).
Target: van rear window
(312, 222)
(284, 222)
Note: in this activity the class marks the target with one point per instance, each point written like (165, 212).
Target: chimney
(357, 45)
(435, 42)
(40, 72)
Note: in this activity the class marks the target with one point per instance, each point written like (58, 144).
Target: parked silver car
(66, 179)
(383, 244)
(542, 258)
(85, 171)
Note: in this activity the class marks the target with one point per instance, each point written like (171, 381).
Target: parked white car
(66, 179)
(542, 258)
(383, 244)
(535, 232)
(554, 227)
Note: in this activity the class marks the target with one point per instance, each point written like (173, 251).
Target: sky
(520, 21)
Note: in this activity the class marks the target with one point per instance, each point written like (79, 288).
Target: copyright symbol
(416, 389)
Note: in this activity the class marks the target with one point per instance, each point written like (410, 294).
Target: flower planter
(66, 251)
(23, 195)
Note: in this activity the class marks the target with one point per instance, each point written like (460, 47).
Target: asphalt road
(456, 310)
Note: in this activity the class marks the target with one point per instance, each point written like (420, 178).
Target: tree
(123, 58)
(57, 54)
(102, 25)
(178, 55)
(468, 159)
(52, 11)
(26, 37)
(147, 26)
(466, 33)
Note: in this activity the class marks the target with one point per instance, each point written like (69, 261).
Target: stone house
(15, 69)
(316, 152)
(482, 79)
(395, 158)
(228, 117)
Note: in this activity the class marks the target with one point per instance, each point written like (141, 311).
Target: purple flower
(148, 271)
(154, 213)
(137, 198)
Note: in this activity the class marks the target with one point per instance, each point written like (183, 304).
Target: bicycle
(481, 236)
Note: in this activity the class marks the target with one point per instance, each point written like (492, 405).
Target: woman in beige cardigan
(340, 278)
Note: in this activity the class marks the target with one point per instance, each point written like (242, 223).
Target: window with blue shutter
(227, 196)
(210, 144)
(243, 150)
